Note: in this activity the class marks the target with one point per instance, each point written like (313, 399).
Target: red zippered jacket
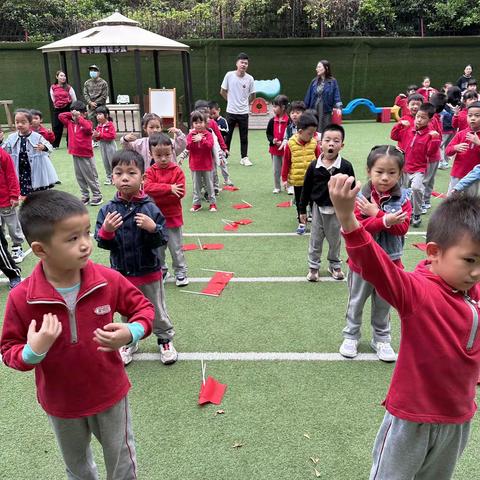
(201, 155)
(158, 185)
(9, 185)
(74, 379)
(459, 122)
(107, 131)
(418, 146)
(79, 135)
(47, 134)
(464, 161)
(212, 124)
(276, 131)
(411, 120)
(438, 364)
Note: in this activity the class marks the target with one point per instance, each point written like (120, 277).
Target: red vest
(61, 95)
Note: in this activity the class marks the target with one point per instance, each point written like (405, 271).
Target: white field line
(259, 356)
(267, 234)
(257, 279)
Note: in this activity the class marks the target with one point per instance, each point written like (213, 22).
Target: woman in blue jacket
(323, 94)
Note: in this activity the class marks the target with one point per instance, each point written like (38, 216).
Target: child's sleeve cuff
(137, 331)
(30, 357)
(357, 237)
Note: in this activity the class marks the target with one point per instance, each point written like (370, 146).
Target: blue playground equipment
(353, 104)
(268, 89)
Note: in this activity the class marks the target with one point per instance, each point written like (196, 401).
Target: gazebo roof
(115, 31)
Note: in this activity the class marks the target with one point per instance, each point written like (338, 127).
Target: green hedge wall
(375, 68)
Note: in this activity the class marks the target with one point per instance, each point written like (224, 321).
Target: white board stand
(163, 102)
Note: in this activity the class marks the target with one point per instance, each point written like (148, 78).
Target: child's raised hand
(405, 123)
(95, 134)
(197, 137)
(14, 202)
(39, 147)
(472, 137)
(112, 337)
(174, 130)
(40, 342)
(177, 189)
(75, 114)
(433, 133)
(113, 221)
(461, 147)
(367, 208)
(145, 222)
(130, 137)
(395, 218)
(343, 197)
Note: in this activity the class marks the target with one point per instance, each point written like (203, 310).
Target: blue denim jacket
(133, 251)
(392, 244)
(469, 179)
(331, 95)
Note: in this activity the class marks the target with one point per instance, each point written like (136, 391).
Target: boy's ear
(38, 250)
(433, 251)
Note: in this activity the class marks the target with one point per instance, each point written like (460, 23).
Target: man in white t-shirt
(238, 90)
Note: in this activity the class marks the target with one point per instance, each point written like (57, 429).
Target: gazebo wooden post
(138, 76)
(63, 63)
(187, 82)
(156, 69)
(76, 74)
(110, 79)
(47, 78)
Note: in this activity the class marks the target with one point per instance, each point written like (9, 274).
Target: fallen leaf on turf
(219, 412)
(314, 460)
(317, 473)
(306, 435)
(237, 445)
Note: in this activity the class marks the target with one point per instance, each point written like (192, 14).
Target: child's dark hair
(197, 116)
(24, 111)
(452, 219)
(128, 157)
(242, 56)
(148, 117)
(333, 127)
(36, 113)
(306, 120)
(201, 105)
(472, 81)
(79, 106)
(213, 104)
(438, 100)
(428, 108)
(106, 112)
(412, 87)
(297, 106)
(42, 210)
(311, 111)
(474, 105)
(470, 95)
(415, 97)
(281, 101)
(159, 139)
(454, 96)
(380, 151)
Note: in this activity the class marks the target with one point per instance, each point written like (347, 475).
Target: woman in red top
(62, 96)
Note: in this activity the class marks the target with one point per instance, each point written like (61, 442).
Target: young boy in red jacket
(465, 146)
(37, 119)
(59, 322)
(431, 399)
(420, 142)
(80, 147)
(408, 118)
(165, 183)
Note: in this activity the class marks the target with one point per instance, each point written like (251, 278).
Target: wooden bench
(8, 113)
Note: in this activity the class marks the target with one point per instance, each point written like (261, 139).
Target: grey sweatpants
(87, 176)
(360, 290)
(429, 180)
(175, 246)
(324, 226)
(446, 139)
(107, 150)
(9, 218)
(202, 178)
(277, 171)
(415, 182)
(406, 450)
(112, 428)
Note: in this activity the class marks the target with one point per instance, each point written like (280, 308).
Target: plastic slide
(268, 89)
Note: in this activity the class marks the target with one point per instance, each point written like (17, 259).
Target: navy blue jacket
(331, 95)
(133, 251)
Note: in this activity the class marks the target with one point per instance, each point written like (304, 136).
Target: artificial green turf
(269, 405)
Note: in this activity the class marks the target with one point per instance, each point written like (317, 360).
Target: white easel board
(163, 102)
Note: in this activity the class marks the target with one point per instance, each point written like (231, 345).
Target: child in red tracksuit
(459, 120)
(465, 146)
(419, 143)
(165, 183)
(199, 146)
(80, 147)
(276, 128)
(105, 134)
(60, 323)
(408, 118)
(37, 126)
(401, 100)
(431, 399)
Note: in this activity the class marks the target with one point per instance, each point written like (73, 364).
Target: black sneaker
(85, 200)
(416, 221)
(96, 201)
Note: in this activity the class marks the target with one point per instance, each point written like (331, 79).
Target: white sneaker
(17, 254)
(127, 353)
(384, 351)
(168, 354)
(276, 190)
(245, 161)
(312, 275)
(290, 190)
(181, 281)
(349, 348)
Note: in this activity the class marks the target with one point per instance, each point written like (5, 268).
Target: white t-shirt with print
(239, 90)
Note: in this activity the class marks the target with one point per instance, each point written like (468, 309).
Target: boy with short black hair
(72, 344)
(431, 399)
(401, 100)
(132, 228)
(419, 143)
(221, 121)
(315, 189)
(37, 119)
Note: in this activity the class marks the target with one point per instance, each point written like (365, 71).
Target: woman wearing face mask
(62, 96)
(95, 91)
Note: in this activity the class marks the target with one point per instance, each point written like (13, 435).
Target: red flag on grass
(217, 283)
(439, 195)
(420, 246)
(230, 188)
(211, 390)
(190, 246)
(212, 246)
(243, 221)
(231, 227)
(240, 206)
(284, 204)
